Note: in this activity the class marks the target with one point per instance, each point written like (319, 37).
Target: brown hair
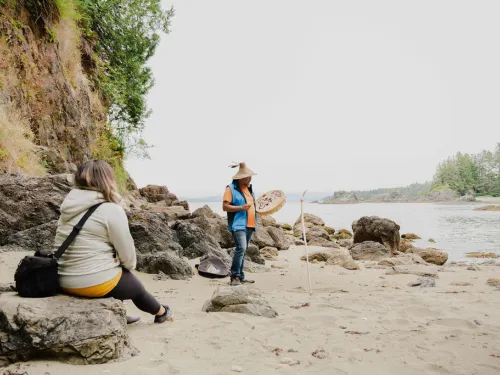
(97, 175)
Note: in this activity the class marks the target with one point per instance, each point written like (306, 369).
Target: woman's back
(102, 246)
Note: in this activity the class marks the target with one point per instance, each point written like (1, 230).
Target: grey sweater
(91, 259)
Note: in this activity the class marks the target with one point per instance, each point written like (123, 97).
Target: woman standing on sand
(99, 260)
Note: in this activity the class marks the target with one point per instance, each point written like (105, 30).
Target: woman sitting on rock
(98, 262)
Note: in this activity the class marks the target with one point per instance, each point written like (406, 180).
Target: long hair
(98, 175)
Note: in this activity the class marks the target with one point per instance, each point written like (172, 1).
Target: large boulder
(431, 255)
(151, 232)
(279, 238)
(381, 230)
(262, 238)
(310, 219)
(195, 242)
(157, 245)
(268, 221)
(369, 250)
(213, 224)
(40, 237)
(239, 299)
(154, 193)
(166, 262)
(78, 331)
(251, 255)
(27, 202)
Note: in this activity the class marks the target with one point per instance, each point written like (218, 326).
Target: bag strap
(76, 229)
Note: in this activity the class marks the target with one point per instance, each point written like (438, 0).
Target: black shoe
(167, 315)
(132, 319)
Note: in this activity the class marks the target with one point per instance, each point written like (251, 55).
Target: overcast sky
(320, 95)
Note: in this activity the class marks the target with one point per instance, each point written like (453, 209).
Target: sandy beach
(357, 322)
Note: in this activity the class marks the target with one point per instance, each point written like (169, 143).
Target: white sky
(320, 95)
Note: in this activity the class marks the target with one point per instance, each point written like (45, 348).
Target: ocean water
(456, 229)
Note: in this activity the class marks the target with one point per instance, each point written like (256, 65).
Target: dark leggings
(130, 287)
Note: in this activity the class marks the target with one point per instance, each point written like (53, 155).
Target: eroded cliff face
(42, 79)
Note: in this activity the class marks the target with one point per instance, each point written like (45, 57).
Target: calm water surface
(456, 228)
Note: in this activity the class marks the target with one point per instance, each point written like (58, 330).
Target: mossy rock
(330, 230)
(342, 234)
(404, 245)
(287, 227)
(410, 236)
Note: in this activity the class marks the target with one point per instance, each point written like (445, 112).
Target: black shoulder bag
(36, 276)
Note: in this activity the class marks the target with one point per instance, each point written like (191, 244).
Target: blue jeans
(241, 239)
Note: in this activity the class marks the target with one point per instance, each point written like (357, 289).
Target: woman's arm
(120, 237)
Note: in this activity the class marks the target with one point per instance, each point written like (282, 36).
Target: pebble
(237, 369)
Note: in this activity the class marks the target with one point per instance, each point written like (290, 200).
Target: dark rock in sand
(381, 230)
(73, 330)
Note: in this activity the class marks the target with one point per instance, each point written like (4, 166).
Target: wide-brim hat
(243, 171)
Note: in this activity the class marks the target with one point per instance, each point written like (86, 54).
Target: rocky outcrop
(381, 230)
(369, 250)
(78, 331)
(239, 299)
(28, 202)
(342, 196)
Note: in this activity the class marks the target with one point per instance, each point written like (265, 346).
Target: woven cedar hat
(243, 171)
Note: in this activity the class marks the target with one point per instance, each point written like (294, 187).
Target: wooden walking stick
(305, 240)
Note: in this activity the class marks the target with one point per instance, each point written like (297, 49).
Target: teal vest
(238, 220)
